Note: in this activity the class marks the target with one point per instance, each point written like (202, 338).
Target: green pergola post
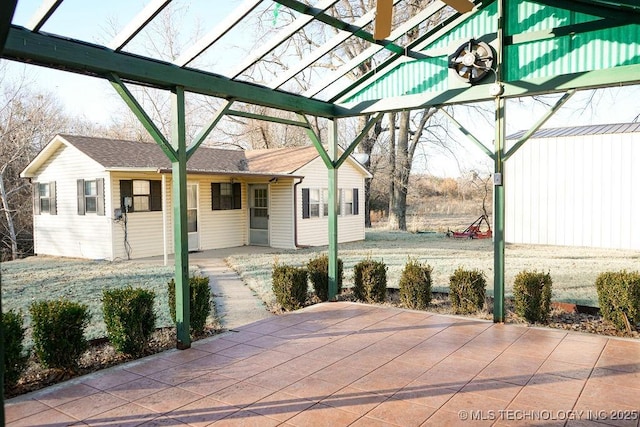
(498, 215)
(333, 210)
(180, 239)
(498, 192)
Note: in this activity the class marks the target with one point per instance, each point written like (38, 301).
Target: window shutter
(126, 190)
(36, 199)
(305, 203)
(215, 196)
(237, 196)
(53, 207)
(100, 196)
(155, 204)
(356, 204)
(80, 183)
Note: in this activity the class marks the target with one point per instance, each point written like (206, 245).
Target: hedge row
(618, 292)
(58, 326)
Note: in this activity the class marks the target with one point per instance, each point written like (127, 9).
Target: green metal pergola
(538, 47)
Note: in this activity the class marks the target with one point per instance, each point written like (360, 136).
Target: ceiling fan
(384, 13)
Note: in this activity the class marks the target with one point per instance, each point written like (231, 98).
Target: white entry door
(259, 214)
(192, 216)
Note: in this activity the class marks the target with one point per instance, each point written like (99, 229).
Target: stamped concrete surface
(347, 364)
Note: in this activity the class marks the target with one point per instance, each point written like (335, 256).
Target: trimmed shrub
(370, 281)
(130, 319)
(15, 359)
(289, 286)
(58, 332)
(199, 302)
(318, 271)
(415, 285)
(619, 298)
(467, 290)
(532, 295)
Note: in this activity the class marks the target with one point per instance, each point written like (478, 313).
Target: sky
(95, 100)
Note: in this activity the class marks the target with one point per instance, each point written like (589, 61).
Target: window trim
(235, 197)
(82, 196)
(37, 199)
(155, 195)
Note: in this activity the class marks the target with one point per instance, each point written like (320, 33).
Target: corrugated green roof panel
(545, 57)
(428, 75)
(409, 78)
(595, 50)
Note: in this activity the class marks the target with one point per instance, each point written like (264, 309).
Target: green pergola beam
(84, 58)
(206, 130)
(468, 134)
(539, 124)
(618, 76)
(363, 133)
(315, 140)
(143, 117)
(281, 120)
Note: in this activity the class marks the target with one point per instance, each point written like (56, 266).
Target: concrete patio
(339, 364)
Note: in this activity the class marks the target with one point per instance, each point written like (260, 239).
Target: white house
(110, 199)
(576, 186)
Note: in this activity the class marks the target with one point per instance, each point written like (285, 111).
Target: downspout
(164, 220)
(295, 214)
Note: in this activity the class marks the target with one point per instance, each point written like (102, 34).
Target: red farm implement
(474, 231)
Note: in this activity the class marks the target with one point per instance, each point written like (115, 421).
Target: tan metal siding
(574, 191)
(67, 233)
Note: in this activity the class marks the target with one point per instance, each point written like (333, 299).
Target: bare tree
(28, 120)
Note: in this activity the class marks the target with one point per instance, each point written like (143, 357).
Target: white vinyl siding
(575, 191)
(144, 229)
(220, 228)
(67, 233)
(315, 231)
(281, 214)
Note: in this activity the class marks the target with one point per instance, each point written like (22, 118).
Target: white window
(314, 203)
(347, 198)
(44, 197)
(141, 195)
(90, 196)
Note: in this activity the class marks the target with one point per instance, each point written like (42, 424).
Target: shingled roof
(122, 154)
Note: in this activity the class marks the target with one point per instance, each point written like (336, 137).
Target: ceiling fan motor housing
(472, 61)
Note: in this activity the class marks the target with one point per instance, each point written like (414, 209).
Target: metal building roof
(601, 129)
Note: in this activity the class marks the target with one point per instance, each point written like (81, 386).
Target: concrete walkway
(236, 304)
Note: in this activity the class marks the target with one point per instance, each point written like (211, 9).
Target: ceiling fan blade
(461, 6)
(384, 15)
